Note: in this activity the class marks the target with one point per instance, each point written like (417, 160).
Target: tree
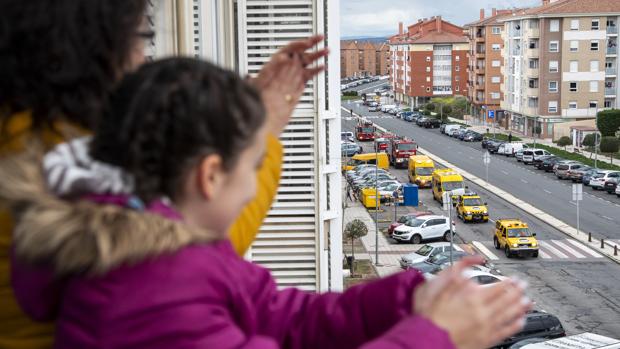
(610, 145)
(589, 140)
(564, 141)
(426, 113)
(429, 107)
(355, 229)
(608, 122)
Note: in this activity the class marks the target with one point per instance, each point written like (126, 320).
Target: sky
(381, 17)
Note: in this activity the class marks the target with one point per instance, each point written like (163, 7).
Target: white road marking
(547, 191)
(485, 251)
(607, 218)
(543, 254)
(585, 249)
(552, 249)
(567, 248)
(572, 203)
(504, 172)
(523, 180)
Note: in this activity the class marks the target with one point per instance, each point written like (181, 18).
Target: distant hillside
(365, 38)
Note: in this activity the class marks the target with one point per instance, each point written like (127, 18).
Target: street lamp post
(596, 143)
(376, 202)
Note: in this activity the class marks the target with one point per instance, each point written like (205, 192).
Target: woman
(58, 62)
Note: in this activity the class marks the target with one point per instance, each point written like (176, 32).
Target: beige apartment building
(560, 63)
(365, 58)
(485, 63)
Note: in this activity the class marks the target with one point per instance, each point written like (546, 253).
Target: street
(569, 280)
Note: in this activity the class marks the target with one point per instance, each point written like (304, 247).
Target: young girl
(189, 135)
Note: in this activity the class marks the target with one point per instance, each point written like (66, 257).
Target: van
(450, 129)
(367, 159)
(385, 108)
(421, 169)
(530, 155)
(445, 180)
(510, 149)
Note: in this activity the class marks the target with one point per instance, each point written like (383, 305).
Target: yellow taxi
(445, 180)
(514, 237)
(421, 169)
(471, 208)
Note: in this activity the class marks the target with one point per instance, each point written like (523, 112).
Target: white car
(510, 149)
(618, 191)
(481, 277)
(422, 228)
(425, 252)
(529, 155)
(598, 180)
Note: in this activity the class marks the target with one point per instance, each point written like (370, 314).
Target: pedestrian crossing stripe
(549, 249)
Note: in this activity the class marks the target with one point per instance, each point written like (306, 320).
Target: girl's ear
(210, 176)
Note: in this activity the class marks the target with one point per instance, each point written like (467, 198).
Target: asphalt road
(599, 211)
(369, 87)
(582, 292)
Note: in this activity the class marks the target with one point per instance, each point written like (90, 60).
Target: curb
(563, 227)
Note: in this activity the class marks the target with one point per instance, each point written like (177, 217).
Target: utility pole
(596, 143)
(376, 203)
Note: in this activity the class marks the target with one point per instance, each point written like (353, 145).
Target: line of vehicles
(351, 82)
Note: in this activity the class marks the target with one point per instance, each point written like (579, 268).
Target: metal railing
(610, 71)
(612, 30)
(612, 50)
(610, 91)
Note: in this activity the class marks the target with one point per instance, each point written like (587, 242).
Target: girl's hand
(282, 80)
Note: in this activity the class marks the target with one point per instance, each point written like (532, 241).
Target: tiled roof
(494, 19)
(568, 7)
(435, 37)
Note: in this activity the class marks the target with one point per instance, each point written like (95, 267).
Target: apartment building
(428, 60)
(301, 239)
(363, 58)
(485, 67)
(560, 63)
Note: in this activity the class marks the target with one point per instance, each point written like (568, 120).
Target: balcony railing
(612, 50)
(612, 30)
(610, 91)
(610, 71)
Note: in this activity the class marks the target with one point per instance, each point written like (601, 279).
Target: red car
(404, 218)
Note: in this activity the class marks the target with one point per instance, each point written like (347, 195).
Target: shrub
(426, 113)
(429, 107)
(589, 140)
(610, 145)
(608, 122)
(564, 141)
(350, 93)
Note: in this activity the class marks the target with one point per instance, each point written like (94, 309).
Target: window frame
(572, 24)
(573, 105)
(550, 107)
(553, 90)
(598, 24)
(574, 49)
(557, 67)
(554, 25)
(598, 46)
(570, 86)
(557, 48)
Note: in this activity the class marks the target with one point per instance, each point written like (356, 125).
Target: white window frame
(457, 58)
(570, 88)
(595, 66)
(428, 58)
(598, 24)
(554, 66)
(496, 79)
(572, 105)
(428, 69)
(552, 107)
(573, 67)
(496, 63)
(457, 88)
(457, 68)
(496, 47)
(574, 24)
(598, 46)
(574, 46)
(554, 25)
(594, 86)
(496, 30)
(557, 46)
(595, 105)
(428, 79)
(553, 89)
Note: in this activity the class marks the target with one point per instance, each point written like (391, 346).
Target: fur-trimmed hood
(81, 236)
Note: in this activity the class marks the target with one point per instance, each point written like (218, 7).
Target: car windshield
(368, 129)
(598, 175)
(472, 202)
(414, 222)
(424, 171)
(447, 186)
(403, 219)
(425, 250)
(391, 187)
(519, 233)
(438, 259)
(406, 147)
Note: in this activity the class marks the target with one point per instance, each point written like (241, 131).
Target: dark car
(434, 263)
(461, 133)
(493, 146)
(538, 162)
(431, 123)
(472, 136)
(610, 185)
(537, 325)
(486, 141)
(548, 164)
(419, 121)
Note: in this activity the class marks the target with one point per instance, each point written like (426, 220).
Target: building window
(533, 83)
(553, 66)
(574, 24)
(553, 107)
(496, 63)
(572, 105)
(457, 68)
(495, 79)
(496, 47)
(594, 66)
(428, 79)
(534, 63)
(596, 24)
(574, 66)
(572, 86)
(457, 78)
(554, 46)
(457, 88)
(553, 86)
(608, 103)
(594, 45)
(593, 104)
(532, 102)
(593, 86)
(495, 95)
(428, 58)
(554, 25)
(428, 69)
(574, 46)
(496, 30)
(457, 58)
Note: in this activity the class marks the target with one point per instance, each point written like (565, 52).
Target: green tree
(564, 141)
(426, 113)
(608, 122)
(610, 145)
(355, 229)
(589, 140)
(430, 107)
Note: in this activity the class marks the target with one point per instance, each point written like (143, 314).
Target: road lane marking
(547, 191)
(567, 248)
(584, 248)
(523, 180)
(572, 203)
(607, 218)
(504, 172)
(552, 249)
(484, 250)
(543, 254)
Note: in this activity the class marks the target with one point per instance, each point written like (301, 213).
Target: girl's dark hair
(168, 115)
(60, 58)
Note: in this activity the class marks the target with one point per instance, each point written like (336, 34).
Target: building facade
(428, 60)
(560, 64)
(301, 239)
(363, 58)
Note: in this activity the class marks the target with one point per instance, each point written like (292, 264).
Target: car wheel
(416, 239)
(447, 236)
(496, 243)
(618, 195)
(507, 252)
(535, 254)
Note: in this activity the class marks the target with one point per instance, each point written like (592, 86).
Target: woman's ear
(210, 176)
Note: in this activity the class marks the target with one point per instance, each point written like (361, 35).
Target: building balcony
(610, 91)
(610, 71)
(480, 54)
(612, 30)
(612, 50)
(533, 52)
(480, 70)
(533, 32)
(480, 38)
(479, 86)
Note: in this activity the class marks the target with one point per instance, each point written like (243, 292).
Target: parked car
(529, 155)
(611, 185)
(431, 123)
(618, 191)
(438, 261)
(482, 278)
(548, 163)
(597, 182)
(404, 219)
(442, 128)
(409, 117)
(538, 324)
(519, 155)
(461, 134)
(350, 149)
(425, 252)
(564, 170)
(423, 228)
(347, 136)
(587, 176)
(472, 136)
(538, 162)
(511, 148)
(373, 109)
(448, 129)
(486, 140)
(419, 121)
(493, 146)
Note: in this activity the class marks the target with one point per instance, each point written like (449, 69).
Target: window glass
(554, 25)
(425, 250)
(574, 66)
(574, 46)
(574, 24)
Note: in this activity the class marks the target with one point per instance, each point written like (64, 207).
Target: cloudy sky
(381, 17)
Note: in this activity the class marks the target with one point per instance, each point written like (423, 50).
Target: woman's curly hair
(168, 115)
(60, 59)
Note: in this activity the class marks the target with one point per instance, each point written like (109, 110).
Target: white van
(385, 108)
(509, 149)
(530, 155)
(451, 128)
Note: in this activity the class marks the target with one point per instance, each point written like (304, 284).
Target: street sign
(486, 158)
(491, 114)
(447, 200)
(577, 192)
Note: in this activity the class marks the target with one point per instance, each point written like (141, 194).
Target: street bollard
(602, 243)
(589, 237)
(615, 250)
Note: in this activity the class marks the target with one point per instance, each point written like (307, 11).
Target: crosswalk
(565, 249)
